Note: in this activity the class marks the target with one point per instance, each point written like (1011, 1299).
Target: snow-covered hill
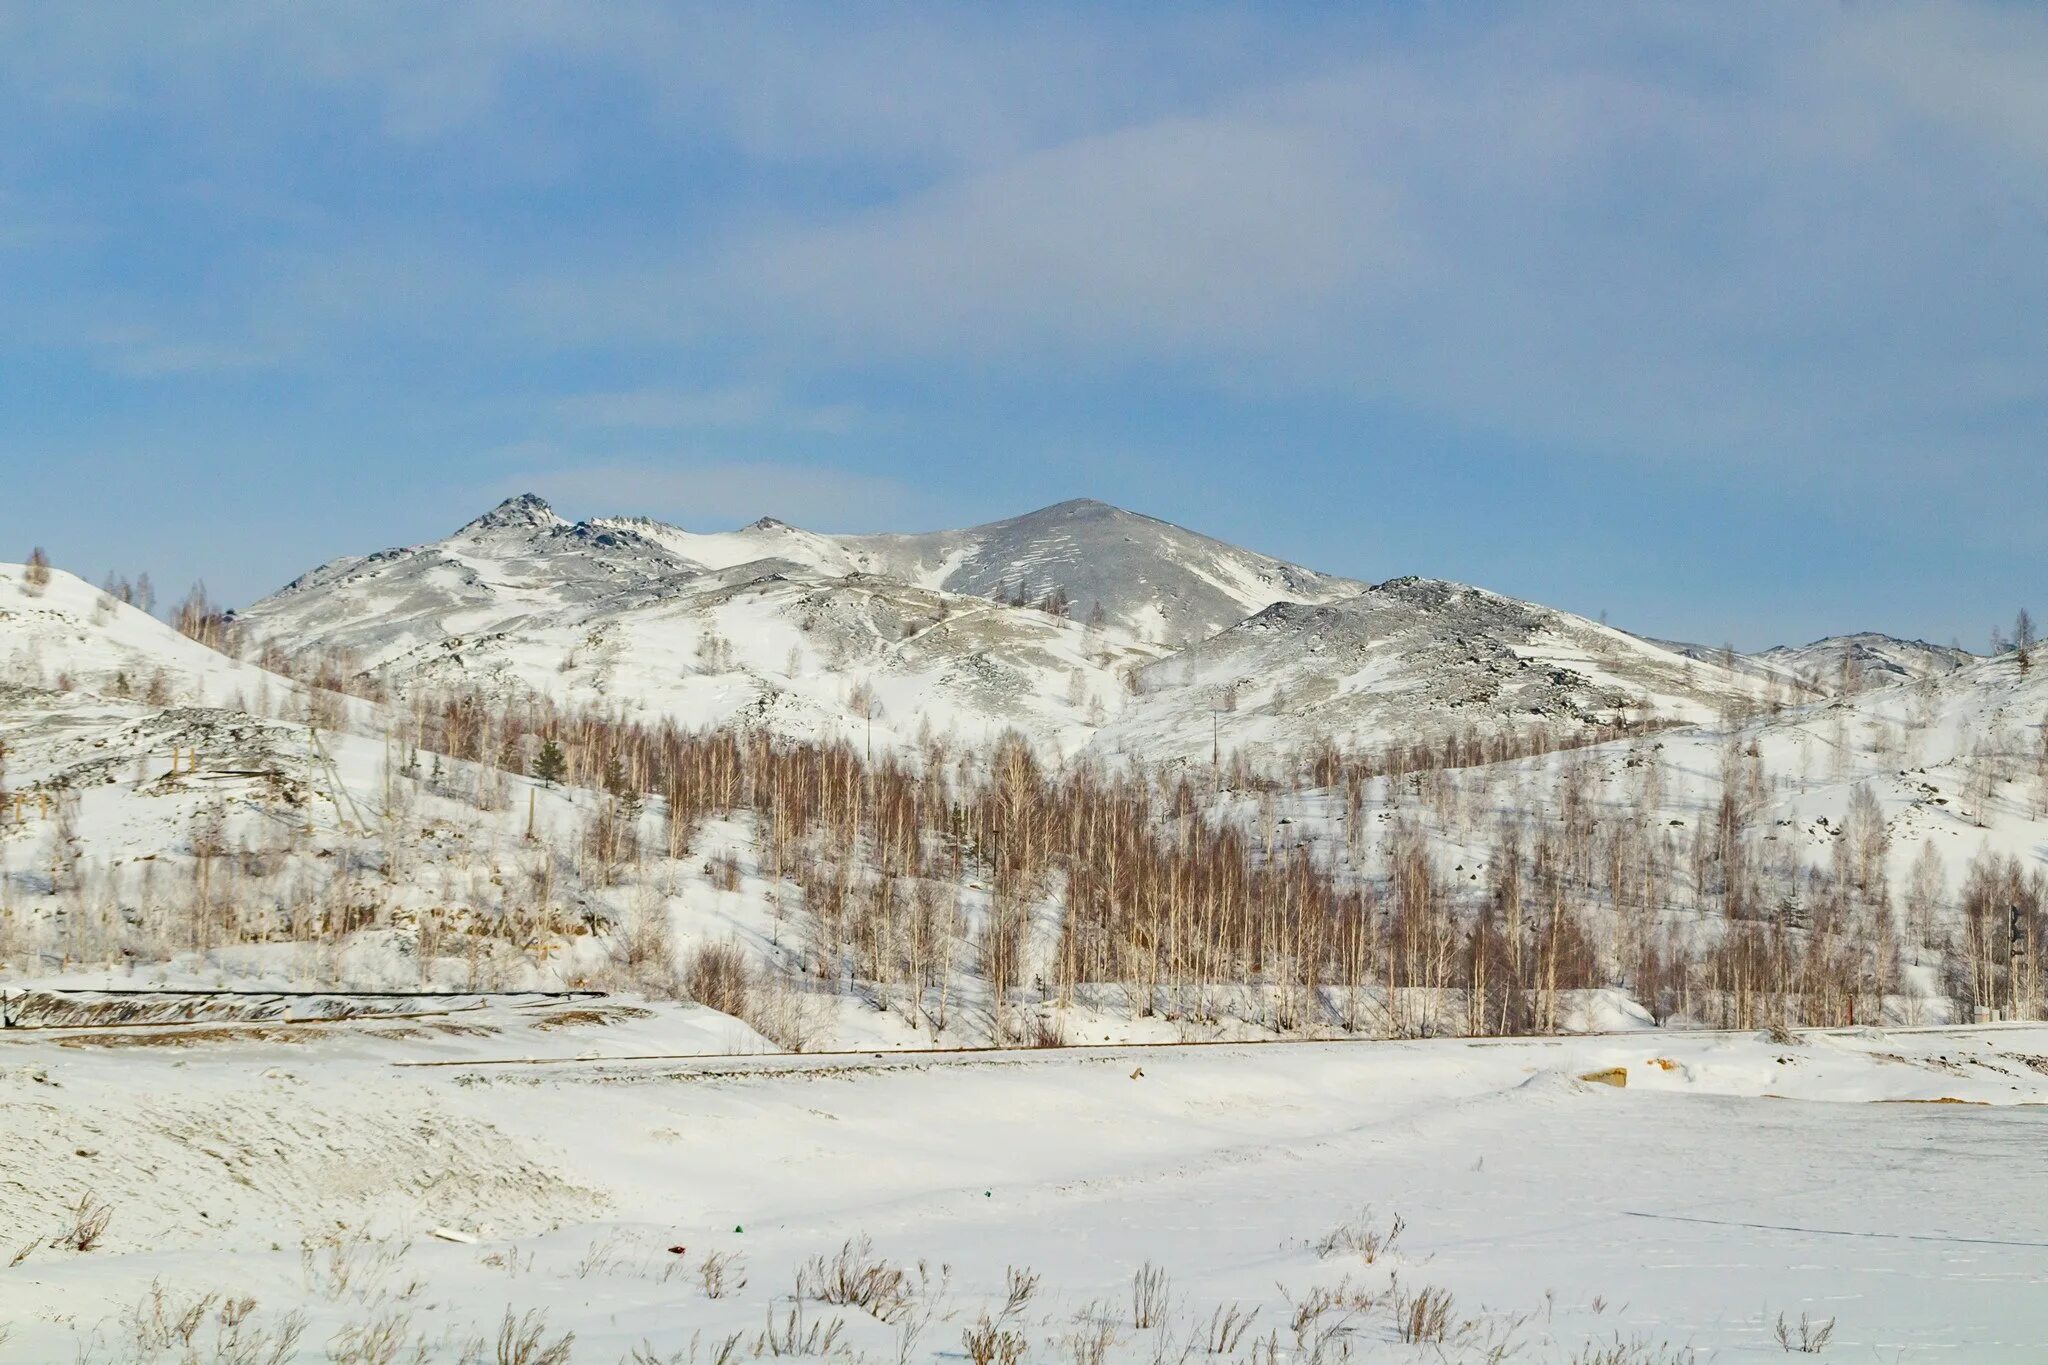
(1033, 623)
(1852, 662)
(1150, 580)
(1146, 578)
(774, 645)
(519, 559)
(1411, 658)
(1163, 584)
(66, 635)
(331, 812)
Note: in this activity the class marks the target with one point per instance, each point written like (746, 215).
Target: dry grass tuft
(520, 1341)
(1149, 1295)
(792, 1335)
(992, 1342)
(722, 1273)
(1362, 1236)
(1633, 1351)
(88, 1223)
(1808, 1336)
(1423, 1316)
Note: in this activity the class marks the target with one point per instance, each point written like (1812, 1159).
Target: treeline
(1051, 883)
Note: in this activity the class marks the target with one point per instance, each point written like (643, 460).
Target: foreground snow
(1889, 1182)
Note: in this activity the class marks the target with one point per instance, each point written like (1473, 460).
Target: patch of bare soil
(592, 1016)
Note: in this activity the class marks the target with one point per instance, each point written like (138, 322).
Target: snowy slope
(1868, 659)
(1407, 659)
(800, 632)
(1956, 761)
(517, 560)
(1151, 578)
(773, 645)
(1955, 770)
(70, 635)
(766, 539)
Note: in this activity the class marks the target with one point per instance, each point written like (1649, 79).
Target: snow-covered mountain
(128, 789)
(1152, 580)
(1411, 658)
(1030, 623)
(772, 644)
(812, 634)
(1079, 625)
(515, 561)
(1160, 583)
(1850, 662)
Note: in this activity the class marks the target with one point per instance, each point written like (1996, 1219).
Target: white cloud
(1791, 235)
(1641, 232)
(1226, 232)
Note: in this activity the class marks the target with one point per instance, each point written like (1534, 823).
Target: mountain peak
(525, 511)
(1076, 507)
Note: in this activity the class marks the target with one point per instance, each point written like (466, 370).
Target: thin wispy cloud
(1789, 255)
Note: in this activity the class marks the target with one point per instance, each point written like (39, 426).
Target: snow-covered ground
(181, 820)
(1889, 1184)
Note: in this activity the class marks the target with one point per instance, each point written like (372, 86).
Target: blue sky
(1730, 321)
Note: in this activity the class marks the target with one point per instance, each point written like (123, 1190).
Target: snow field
(1732, 1180)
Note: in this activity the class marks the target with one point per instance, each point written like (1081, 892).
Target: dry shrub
(158, 1323)
(1326, 1313)
(857, 1278)
(793, 1336)
(1226, 1329)
(783, 1012)
(1019, 1284)
(724, 872)
(357, 1268)
(380, 1340)
(1093, 1337)
(162, 1324)
(717, 978)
